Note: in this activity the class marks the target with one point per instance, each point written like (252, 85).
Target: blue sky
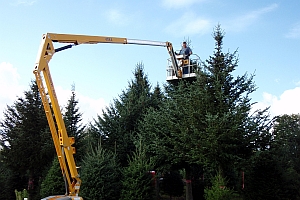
(266, 34)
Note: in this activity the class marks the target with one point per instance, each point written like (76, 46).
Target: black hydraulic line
(64, 173)
(64, 48)
(174, 62)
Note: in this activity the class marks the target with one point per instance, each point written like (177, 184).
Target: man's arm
(190, 51)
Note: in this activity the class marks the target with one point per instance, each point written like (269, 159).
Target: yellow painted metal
(179, 73)
(173, 59)
(60, 138)
(72, 140)
(84, 39)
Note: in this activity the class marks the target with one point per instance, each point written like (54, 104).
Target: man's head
(184, 44)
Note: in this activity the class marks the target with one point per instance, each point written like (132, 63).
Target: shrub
(218, 190)
(100, 175)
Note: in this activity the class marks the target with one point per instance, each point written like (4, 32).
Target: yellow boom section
(63, 143)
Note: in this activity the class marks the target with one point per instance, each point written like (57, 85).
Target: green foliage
(118, 124)
(228, 108)
(264, 179)
(101, 175)
(20, 195)
(25, 140)
(207, 122)
(5, 180)
(137, 182)
(218, 190)
(286, 149)
(279, 160)
(53, 184)
(72, 118)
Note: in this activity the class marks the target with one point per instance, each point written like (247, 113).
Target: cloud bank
(294, 32)
(189, 24)
(286, 103)
(24, 2)
(240, 23)
(89, 107)
(11, 89)
(117, 17)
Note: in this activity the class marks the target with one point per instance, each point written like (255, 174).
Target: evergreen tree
(218, 190)
(274, 171)
(264, 178)
(53, 184)
(25, 140)
(171, 133)
(118, 124)
(206, 122)
(227, 114)
(137, 182)
(101, 175)
(5, 180)
(72, 118)
(286, 135)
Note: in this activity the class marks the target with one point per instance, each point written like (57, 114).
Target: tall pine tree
(274, 171)
(118, 124)
(206, 122)
(137, 181)
(101, 175)
(72, 118)
(25, 140)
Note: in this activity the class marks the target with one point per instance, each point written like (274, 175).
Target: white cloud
(11, 89)
(286, 103)
(117, 17)
(242, 22)
(24, 2)
(294, 32)
(10, 86)
(189, 24)
(88, 106)
(179, 3)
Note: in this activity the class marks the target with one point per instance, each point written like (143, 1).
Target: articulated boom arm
(48, 48)
(63, 143)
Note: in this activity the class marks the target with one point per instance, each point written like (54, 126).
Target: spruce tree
(53, 184)
(206, 122)
(25, 141)
(72, 118)
(274, 171)
(228, 110)
(5, 180)
(118, 125)
(101, 175)
(137, 181)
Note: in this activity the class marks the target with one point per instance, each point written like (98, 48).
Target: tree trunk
(156, 179)
(188, 192)
(30, 186)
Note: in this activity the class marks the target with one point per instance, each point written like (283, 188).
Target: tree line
(195, 140)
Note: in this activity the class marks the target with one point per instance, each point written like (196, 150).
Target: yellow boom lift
(62, 142)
